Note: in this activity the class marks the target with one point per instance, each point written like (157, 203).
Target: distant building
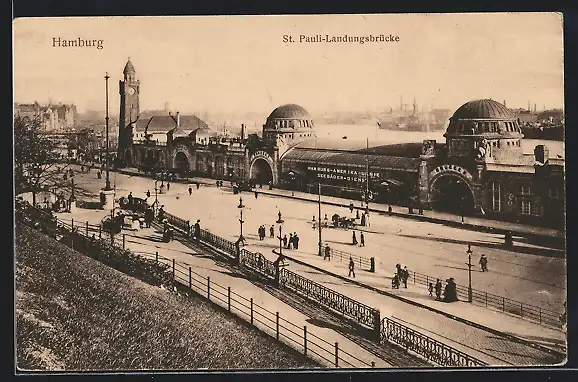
(54, 118)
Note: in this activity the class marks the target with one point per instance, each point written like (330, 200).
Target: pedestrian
(290, 242)
(198, 185)
(148, 194)
(405, 276)
(198, 229)
(260, 232)
(356, 214)
(285, 242)
(327, 254)
(351, 207)
(484, 263)
(438, 289)
(351, 268)
(256, 194)
(367, 219)
(354, 239)
(295, 241)
(130, 198)
(363, 220)
(362, 239)
(272, 231)
(430, 289)
(168, 186)
(190, 190)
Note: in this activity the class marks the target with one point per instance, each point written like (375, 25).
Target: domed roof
(290, 111)
(483, 109)
(128, 68)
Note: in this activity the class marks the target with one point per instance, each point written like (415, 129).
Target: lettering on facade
(263, 155)
(451, 168)
(342, 173)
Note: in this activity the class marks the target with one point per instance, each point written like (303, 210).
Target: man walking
(362, 239)
(285, 243)
(484, 263)
(168, 186)
(295, 240)
(190, 190)
(405, 276)
(148, 194)
(198, 229)
(327, 254)
(351, 268)
(272, 231)
(290, 243)
(354, 239)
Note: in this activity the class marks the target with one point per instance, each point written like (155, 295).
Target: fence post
(486, 299)
(277, 325)
(123, 241)
(521, 310)
(540, 314)
(87, 228)
(377, 325)
(100, 231)
(173, 269)
(229, 298)
(503, 304)
(251, 310)
(413, 277)
(157, 257)
(305, 339)
(208, 288)
(190, 279)
(427, 280)
(71, 223)
(336, 354)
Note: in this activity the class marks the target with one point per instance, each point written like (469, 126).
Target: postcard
(289, 192)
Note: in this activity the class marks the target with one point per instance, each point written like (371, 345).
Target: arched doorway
(450, 193)
(181, 163)
(261, 172)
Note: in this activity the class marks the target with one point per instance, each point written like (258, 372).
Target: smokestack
(534, 107)
(505, 103)
(178, 119)
(529, 105)
(242, 131)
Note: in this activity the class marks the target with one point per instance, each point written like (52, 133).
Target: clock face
(130, 90)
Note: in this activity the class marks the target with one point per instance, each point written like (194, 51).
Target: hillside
(74, 313)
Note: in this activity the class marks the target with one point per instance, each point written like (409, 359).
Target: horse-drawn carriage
(343, 222)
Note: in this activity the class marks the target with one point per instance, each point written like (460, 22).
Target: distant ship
(399, 120)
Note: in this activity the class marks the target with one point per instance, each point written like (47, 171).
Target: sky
(240, 64)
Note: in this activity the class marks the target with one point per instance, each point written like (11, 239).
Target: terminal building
(480, 169)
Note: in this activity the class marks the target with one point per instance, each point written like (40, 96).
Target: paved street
(529, 274)
(220, 219)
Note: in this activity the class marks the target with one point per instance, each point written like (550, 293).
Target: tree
(35, 157)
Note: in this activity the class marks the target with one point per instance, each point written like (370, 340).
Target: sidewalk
(472, 223)
(148, 241)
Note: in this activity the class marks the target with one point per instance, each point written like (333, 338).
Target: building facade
(480, 169)
(57, 118)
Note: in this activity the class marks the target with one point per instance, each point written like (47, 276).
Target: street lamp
(319, 225)
(107, 185)
(280, 222)
(241, 221)
(469, 264)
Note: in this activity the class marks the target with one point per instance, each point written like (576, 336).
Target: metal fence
(488, 300)
(432, 350)
(363, 262)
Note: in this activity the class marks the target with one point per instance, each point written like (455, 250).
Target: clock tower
(129, 89)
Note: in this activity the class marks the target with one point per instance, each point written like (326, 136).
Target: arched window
(496, 196)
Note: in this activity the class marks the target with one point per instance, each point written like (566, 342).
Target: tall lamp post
(319, 225)
(280, 222)
(469, 264)
(241, 221)
(107, 186)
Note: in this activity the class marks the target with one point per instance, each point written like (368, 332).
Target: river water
(380, 137)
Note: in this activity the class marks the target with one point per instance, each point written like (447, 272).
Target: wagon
(343, 222)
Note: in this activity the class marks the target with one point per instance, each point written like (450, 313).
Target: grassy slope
(74, 313)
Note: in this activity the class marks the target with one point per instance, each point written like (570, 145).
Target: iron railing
(427, 347)
(498, 303)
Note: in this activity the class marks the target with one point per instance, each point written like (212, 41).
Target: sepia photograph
(289, 192)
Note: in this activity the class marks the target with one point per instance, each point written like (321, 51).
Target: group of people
(401, 276)
(361, 238)
(450, 291)
(262, 232)
(292, 242)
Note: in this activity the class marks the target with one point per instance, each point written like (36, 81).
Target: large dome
(290, 111)
(483, 109)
